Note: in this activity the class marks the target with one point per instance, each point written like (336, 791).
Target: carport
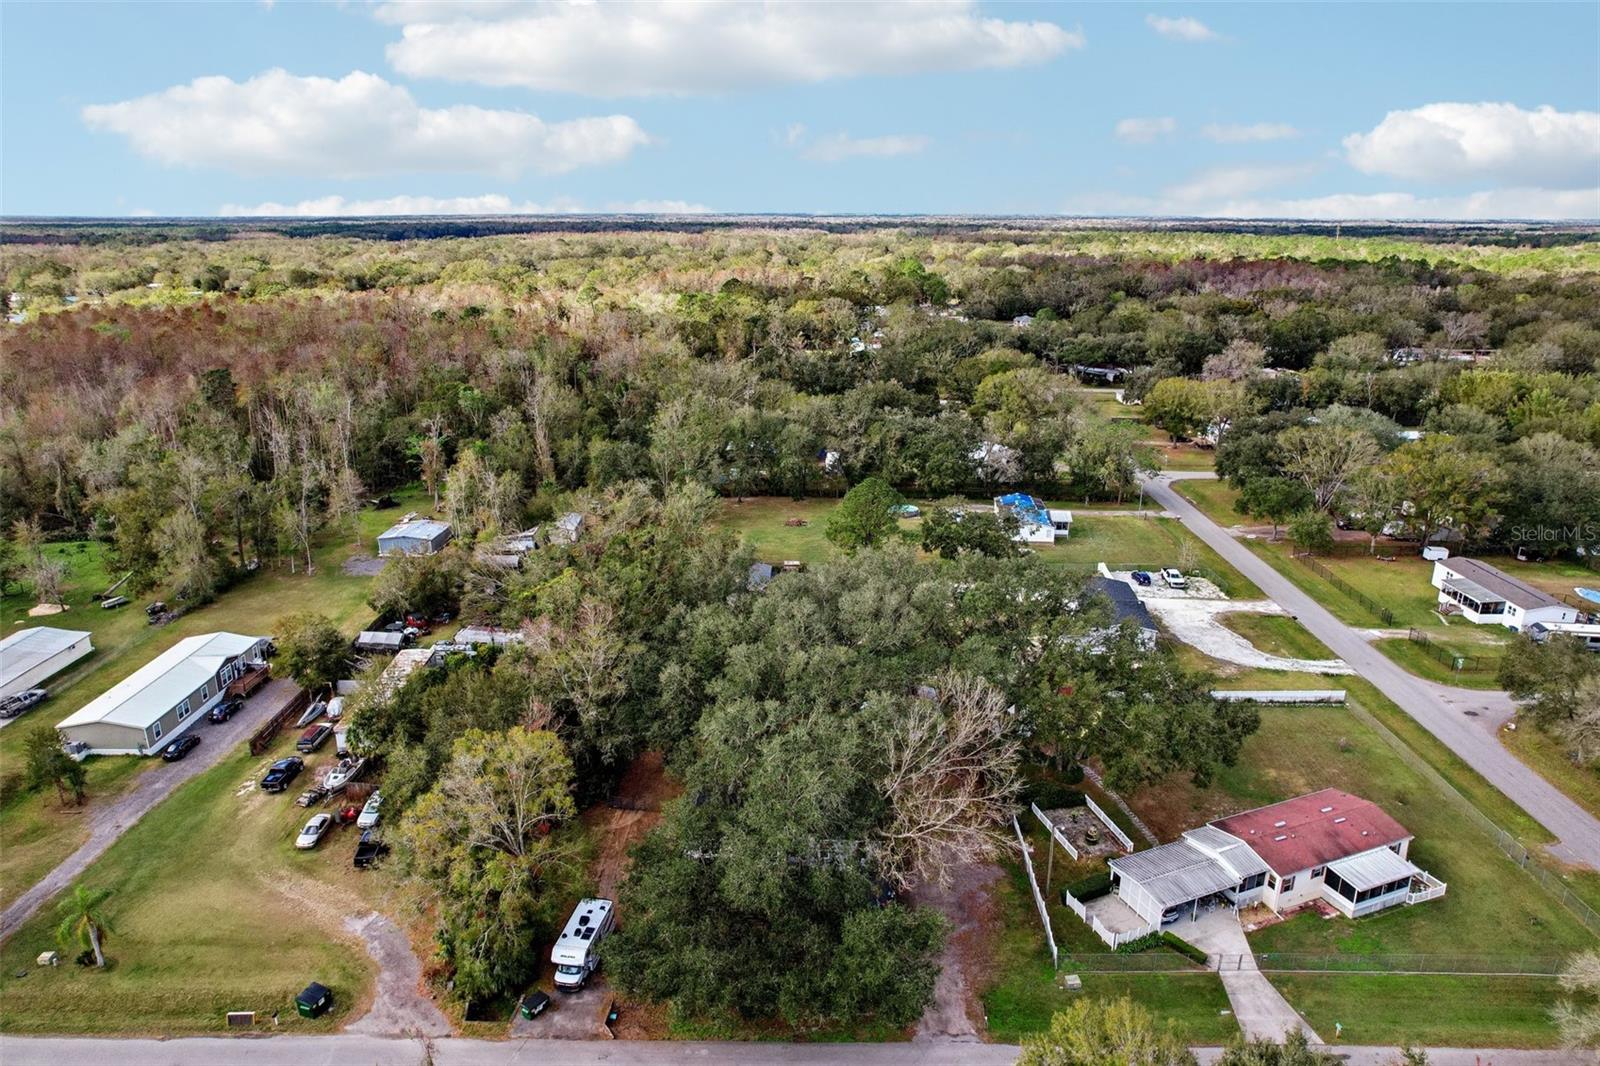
(1173, 875)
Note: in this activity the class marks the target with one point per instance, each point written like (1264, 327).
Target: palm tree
(83, 920)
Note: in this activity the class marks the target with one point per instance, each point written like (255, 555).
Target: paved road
(1441, 709)
(377, 1051)
(109, 821)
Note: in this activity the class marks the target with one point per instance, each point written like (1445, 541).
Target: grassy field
(1433, 1010)
(1121, 541)
(1484, 662)
(213, 910)
(36, 832)
(1544, 753)
(1024, 993)
(1276, 634)
(1170, 454)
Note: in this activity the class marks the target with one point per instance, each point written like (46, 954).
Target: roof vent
(1279, 824)
(1325, 810)
(1336, 821)
(1280, 836)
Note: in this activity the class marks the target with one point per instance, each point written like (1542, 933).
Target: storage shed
(28, 656)
(422, 536)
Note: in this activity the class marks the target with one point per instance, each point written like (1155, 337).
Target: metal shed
(422, 536)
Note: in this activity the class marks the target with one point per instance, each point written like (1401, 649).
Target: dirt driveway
(107, 823)
(401, 1007)
(956, 1013)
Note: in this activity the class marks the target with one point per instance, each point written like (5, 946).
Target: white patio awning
(1371, 869)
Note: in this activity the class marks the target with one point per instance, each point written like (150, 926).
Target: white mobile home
(1329, 847)
(165, 696)
(1487, 595)
(29, 656)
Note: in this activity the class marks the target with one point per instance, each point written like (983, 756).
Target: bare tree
(1327, 458)
(952, 781)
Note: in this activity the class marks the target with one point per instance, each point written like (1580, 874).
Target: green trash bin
(314, 1001)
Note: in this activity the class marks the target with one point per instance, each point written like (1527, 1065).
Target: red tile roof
(1314, 830)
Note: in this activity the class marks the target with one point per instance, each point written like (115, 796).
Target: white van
(575, 956)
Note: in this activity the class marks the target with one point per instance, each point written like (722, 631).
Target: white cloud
(685, 46)
(1240, 134)
(1145, 130)
(356, 126)
(1182, 29)
(1498, 141)
(1226, 182)
(838, 146)
(487, 204)
(332, 206)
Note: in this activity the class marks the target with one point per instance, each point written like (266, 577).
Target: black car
(180, 747)
(280, 773)
(370, 849)
(16, 703)
(226, 709)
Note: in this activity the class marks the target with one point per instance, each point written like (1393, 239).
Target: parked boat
(313, 712)
(347, 771)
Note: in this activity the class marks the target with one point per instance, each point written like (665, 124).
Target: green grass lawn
(1130, 542)
(1024, 993)
(36, 832)
(1276, 634)
(1416, 660)
(1120, 541)
(1433, 1010)
(1545, 754)
(213, 910)
(1214, 498)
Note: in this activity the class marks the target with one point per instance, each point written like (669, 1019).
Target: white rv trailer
(575, 955)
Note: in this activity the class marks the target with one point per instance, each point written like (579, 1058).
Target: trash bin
(533, 1004)
(314, 1001)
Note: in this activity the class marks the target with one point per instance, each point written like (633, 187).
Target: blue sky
(1331, 110)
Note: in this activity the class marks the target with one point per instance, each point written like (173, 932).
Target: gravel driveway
(109, 821)
(400, 1008)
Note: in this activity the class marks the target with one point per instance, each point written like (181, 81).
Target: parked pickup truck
(247, 682)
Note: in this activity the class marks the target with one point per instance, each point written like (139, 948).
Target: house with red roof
(1328, 846)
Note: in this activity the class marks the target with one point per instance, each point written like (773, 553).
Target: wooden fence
(263, 737)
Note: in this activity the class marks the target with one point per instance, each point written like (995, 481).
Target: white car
(1174, 578)
(313, 832)
(369, 814)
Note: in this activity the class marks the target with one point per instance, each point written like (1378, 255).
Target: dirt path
(401, 1007)
(107, 823)
(956, 1013)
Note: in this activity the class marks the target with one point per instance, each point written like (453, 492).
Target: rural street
(109, 821)
(1465, 720)
(377, 1051)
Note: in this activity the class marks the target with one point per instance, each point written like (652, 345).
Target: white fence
(1122, 837)
(1282, 696)
(1038, 898)
(1112, 938)
(1056, 834)
(1432, 888)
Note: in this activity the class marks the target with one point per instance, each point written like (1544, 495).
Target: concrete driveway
(1261, 1009)
(1465, 720)
(109, 821)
